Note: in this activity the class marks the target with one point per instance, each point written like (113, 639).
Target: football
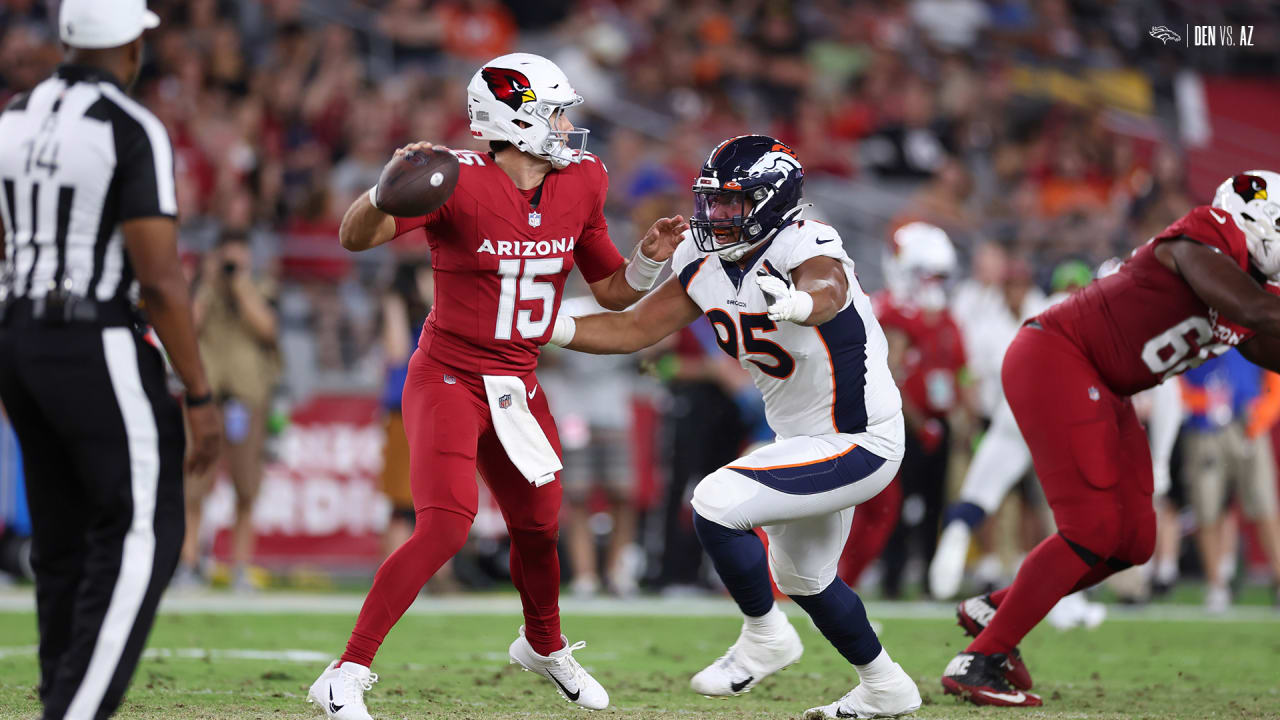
(417, 183)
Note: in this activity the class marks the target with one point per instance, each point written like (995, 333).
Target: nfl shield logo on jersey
(504, 402)
(535, 219)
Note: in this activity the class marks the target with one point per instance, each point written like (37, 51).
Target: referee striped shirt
(78, 156)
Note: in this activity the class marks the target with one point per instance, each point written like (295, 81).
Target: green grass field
(455, 666)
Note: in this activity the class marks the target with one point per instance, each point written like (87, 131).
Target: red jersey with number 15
(1145, 324)
(500, 265)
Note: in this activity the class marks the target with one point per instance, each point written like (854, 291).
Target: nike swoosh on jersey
(573, 696)
(533, 392)
(823, 242)
(1007, 697)
(737, 686)
(333, 708)
(1221, 220)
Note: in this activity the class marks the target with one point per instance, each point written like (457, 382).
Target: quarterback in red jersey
(1191, 293)
(502, 245)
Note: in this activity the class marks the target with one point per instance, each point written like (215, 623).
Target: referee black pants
(102, 443)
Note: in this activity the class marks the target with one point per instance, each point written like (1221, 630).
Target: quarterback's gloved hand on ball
(785, 302)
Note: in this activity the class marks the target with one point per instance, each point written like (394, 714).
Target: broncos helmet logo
(510, 87)
(1249, 187)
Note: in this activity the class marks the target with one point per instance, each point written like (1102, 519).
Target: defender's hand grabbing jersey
(500, 263)
(832, 378)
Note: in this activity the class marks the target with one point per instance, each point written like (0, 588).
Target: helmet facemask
(724, 220)
(543, 139)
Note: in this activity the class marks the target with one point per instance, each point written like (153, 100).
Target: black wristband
(195, 401)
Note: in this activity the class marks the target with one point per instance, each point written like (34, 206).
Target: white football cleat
(1217, 599)
(340, 690)
(1075, 611)
(573, 682)
(947, 569)
(751, 659)
(896, 696)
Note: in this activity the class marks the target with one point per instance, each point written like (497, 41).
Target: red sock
(1096, 574)
(873, 523)
(438, 536)
(535, 571)
(1050, 572)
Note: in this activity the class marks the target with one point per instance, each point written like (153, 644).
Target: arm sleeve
(594, 253)
(144, 168)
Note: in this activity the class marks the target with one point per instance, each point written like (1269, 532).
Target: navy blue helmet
(748, 190)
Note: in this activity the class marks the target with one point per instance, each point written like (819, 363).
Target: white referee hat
(95, 24)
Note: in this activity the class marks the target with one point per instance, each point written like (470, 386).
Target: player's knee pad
(1142, 539)
(800, 573)
(719, 497)
(1099, 530)
(537, 534)
(443, 529)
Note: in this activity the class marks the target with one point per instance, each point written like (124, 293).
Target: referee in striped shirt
(87, 202)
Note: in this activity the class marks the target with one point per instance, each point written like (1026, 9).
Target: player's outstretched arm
(816, 292)
(636, 277)
(664, 311)
(1222, 285)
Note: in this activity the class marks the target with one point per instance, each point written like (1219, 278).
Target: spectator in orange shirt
(478, 29)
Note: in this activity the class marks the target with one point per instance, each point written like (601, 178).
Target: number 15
(530, 289)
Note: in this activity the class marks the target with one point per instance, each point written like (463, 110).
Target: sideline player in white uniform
(783, 298)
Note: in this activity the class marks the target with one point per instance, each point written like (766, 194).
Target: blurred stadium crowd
(1040, 130)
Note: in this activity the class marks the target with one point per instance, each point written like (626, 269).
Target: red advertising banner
(319, 501)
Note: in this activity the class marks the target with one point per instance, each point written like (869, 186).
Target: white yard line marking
(216, 603)
(298, 656)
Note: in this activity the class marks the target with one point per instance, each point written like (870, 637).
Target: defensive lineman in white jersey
(783, 299)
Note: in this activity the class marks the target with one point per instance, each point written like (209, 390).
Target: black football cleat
(980, 679)
(974, 614)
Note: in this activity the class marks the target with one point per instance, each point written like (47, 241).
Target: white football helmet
(922, 265)
(516, 98)
(1246, 197)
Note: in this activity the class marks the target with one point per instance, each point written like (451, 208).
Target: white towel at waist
(518, 430)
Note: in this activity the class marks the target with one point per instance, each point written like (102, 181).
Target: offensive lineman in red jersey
(1192, 292)
(502, 246)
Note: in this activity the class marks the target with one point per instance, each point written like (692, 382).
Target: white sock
(878, 670)
(767, 624)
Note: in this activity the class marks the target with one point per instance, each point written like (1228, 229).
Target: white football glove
(785, 302)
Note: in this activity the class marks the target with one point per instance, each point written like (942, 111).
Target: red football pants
(447, 422)
(1091, 455)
